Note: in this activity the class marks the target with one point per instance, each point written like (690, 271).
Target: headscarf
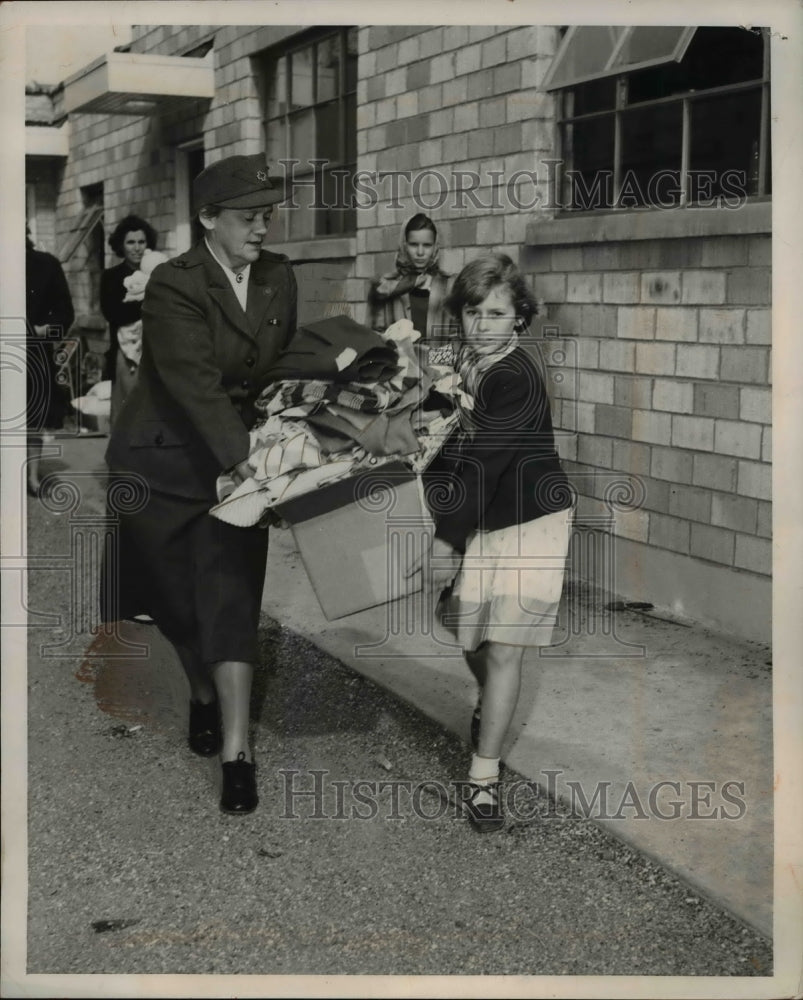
(407, 276)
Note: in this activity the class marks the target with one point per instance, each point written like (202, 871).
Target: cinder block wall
(440, 100)
(673, 387)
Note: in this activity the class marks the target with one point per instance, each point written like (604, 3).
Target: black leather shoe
(239, 786)
(204, 738)
(483, 808)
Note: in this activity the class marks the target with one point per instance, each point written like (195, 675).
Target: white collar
(233, 276)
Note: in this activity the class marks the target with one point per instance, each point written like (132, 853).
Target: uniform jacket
(505, 470)
(204, 362)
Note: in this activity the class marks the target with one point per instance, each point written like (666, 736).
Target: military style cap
(237, 182)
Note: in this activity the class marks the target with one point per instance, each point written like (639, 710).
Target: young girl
(505, 528)
(417, 289)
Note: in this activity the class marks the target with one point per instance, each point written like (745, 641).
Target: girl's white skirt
(509, 586)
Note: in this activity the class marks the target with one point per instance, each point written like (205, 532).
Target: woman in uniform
(214, 321)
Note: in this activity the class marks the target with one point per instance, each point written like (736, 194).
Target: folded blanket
(338, 349)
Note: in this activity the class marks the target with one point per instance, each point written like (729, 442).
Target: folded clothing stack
(324, 426)
(336, 349)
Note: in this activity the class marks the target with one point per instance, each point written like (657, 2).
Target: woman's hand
(444, 563)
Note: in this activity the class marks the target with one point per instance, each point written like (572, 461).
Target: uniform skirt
(200, 580)
(509, 586)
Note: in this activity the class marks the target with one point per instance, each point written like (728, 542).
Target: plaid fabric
(373, 398)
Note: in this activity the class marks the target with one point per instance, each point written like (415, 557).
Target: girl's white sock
(483, 770)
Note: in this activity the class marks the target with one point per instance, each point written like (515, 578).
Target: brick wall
(322, 288)
(673, 357)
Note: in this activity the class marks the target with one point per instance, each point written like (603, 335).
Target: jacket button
(159, 439)
(250, 362)
(244, 384)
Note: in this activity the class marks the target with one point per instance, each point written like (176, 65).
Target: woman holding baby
(121, 305)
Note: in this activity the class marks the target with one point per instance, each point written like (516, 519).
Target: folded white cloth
(96, 402)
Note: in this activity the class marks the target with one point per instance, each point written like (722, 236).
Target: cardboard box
(357, 537)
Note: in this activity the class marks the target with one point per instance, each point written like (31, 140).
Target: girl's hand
(444, 563)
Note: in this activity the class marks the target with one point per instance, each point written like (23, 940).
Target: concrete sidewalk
(628, 698)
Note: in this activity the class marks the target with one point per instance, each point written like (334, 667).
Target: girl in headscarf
(416, 289)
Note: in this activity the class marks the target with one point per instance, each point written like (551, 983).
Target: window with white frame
(661, 116)
(310, 102)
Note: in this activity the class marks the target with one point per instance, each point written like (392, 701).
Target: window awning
(47, 140)
(135, 83)
(591, 51)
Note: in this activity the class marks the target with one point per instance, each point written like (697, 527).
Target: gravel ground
(132, 868)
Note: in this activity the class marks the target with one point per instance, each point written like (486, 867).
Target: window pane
(328, 68)
(276, 103)
(651, 154)
(646, 43)
(716, 57)
(302, 138)
(598, 95)
(725, 144)
(335, 191)
(328, 120)
(350, 126)
(274, 141)
(351, 60)
(301, 79)
(588, 49)
(301, 220)
(310, 117)
(588, 147)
